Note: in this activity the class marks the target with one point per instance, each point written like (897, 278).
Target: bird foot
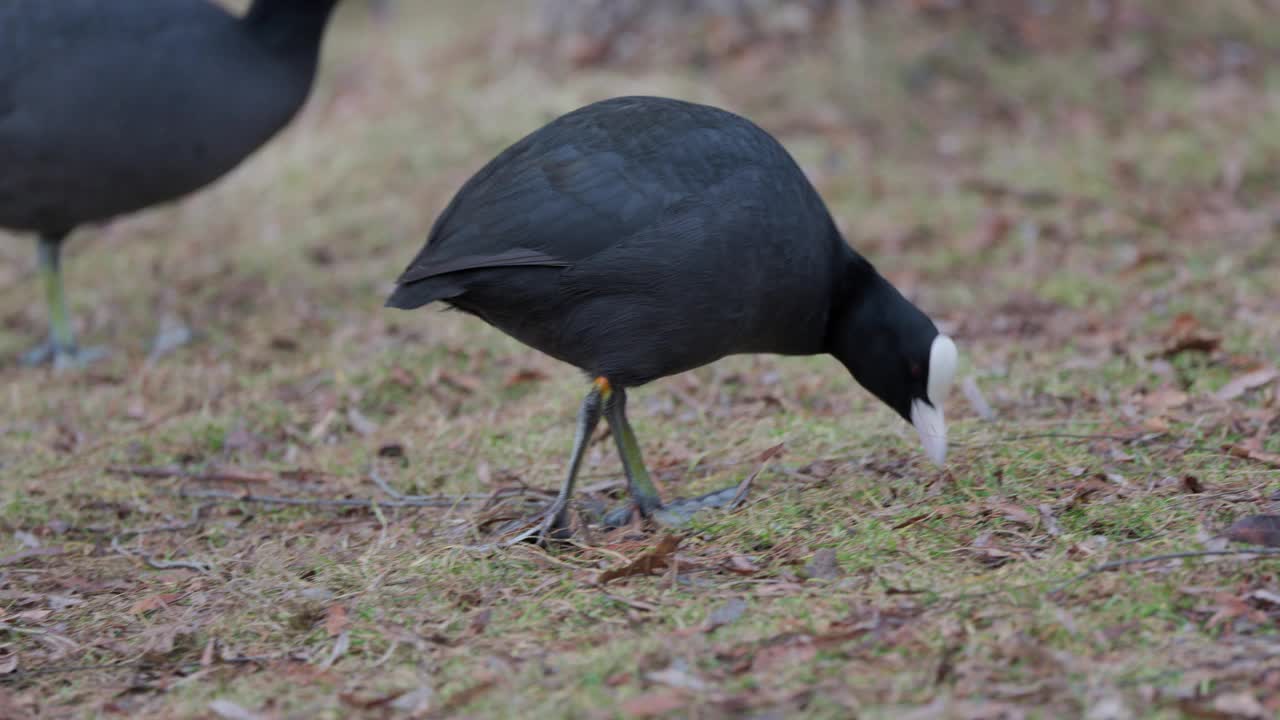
(673, 516)
(61, 357)
(679, 513)
(552, 526)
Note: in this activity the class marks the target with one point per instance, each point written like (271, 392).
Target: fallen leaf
(23, 556)
(1249, 451)
(741, 565)
(369, 703)
(1256, 530)
(770, 453)
(787, 653)
(360, 422)
(677, 676)
(468, 384)
(415, 702)
(654, 703)
(335, 620)
(1192, 484)
(824, 565)
(1049, 521)
(228, 710)
(468, 695)
(1242, 384)
(391, 450)
(1185, 334)
(653, 561)
(207, 657)
(1165, 399)
(524, 376)
(153, 602)
(1014, 512)
(33, 616)
(726, 614)
(480, 622)
(8, 664)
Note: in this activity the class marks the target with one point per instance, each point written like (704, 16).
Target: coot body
(639, 237)
(108, 107)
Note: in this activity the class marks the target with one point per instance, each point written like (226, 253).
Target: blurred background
(1085, 193)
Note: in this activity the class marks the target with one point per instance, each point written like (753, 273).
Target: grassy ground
(1100, 239)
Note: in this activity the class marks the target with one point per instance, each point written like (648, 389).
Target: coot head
(896, 352)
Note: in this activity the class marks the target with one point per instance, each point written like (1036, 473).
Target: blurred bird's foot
(679, 513)
(676, 515)
(173, 334)
(62, 357)
(552, 525)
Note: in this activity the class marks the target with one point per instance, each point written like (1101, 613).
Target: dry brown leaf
(1241, 384)
(1186, 334)
(335, 620)
(468, 384)
(741, 565)
(1014, 512)
(466, 696)
(480, 621)
(524, 376)
(1249, 451)
(653, 561)
(654, 703)
(1256, 530)
(789, 654)
(153, 602)
(23, 556)
(1165, 399)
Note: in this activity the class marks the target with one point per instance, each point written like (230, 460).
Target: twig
(63, 669)
(163, 473)
(743, 488)
(1117, 564)
(398, 496)
(24, 555)
(196, 512)
(150, 560)
(421, 501)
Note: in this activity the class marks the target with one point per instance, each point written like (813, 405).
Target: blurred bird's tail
(416, 294)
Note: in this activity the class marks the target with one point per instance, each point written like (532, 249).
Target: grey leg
(61, 346)
(556, 520)
(643, 493)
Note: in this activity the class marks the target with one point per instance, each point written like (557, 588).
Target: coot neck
(290, 26)
(873, 330)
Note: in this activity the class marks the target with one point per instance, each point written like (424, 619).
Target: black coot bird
(639, 237)
(107, 107)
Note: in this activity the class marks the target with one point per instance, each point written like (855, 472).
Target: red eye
(916, 370)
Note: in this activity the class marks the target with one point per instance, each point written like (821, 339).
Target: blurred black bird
(639, 237)
(111, 106)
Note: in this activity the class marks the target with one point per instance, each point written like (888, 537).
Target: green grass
(954, 593)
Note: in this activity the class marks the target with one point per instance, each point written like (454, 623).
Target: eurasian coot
(639, 237)
(107, 107)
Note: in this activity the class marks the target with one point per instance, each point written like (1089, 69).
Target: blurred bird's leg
(556, 522)
(171, 332)
(60, 348)
(643, 493)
